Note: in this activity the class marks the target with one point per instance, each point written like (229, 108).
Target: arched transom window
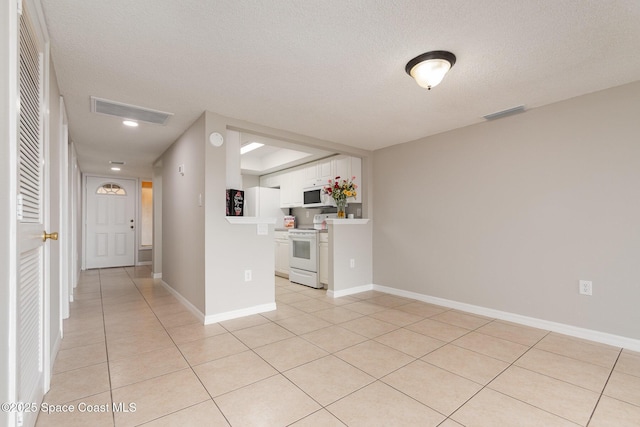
(111, 189)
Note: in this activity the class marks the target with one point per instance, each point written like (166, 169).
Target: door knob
(52, 236)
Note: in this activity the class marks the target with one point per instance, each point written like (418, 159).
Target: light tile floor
(369, 359)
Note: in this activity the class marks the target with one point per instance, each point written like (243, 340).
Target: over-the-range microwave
(315, 197)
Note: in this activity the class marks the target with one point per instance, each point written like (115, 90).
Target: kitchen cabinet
(310, 174)
(282, 253)
(318, 173)
(271, 180)
(347, 167)
(292, 181)
(326, 171)
(323, 270)
(356, 170)
(291, 185)
(343, 167)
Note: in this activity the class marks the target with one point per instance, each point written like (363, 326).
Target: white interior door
(31, 220)
(110, 222)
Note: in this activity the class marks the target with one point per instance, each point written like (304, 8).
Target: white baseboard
(234, 314)
(54, 351)
(192, 308)
(215, 318)
(157, 275)
(574, 331)
(349, 291)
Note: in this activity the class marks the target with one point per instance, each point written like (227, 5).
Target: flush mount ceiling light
(130, 123)
(250, 147)
(429, 69)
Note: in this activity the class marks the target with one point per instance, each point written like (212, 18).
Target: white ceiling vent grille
(130, 112)
(505, 113)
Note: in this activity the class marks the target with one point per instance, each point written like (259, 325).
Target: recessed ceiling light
(250, 147)
(115, 169)
(130, 123)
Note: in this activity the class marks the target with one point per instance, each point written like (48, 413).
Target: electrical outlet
(586, 287)
(247, 275)
(352, 263)
(358, 212)
(307, 214)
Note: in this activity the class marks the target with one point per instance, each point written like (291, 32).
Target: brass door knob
(52, 236)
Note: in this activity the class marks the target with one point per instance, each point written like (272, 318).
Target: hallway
(132, 354)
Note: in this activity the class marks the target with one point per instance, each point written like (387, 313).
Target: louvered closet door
(31, 218)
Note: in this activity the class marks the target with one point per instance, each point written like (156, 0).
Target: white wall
(349, 242)
(7, 180)
(212, 280)
(157, 221)
(232, 249)
(249, 181)
(57, 190)
(183, 230)
(75, 212)
(510, 214)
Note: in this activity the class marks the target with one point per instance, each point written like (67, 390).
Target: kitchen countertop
(300, 228)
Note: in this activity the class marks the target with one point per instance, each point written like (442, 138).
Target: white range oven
(303, 257)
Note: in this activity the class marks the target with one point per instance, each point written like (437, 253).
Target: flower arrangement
(340, 190)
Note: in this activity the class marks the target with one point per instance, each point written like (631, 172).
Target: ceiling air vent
(126, 111)
(505, 113)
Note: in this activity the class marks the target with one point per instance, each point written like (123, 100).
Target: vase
(341, 204)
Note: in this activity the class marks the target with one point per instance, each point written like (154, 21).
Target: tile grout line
(182, 355)
(106, 348)
(486, 386)
(367, 339)
(604, 387)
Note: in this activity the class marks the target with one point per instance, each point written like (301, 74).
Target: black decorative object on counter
(235, 202)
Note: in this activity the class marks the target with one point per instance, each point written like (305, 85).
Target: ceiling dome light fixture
(429, 69)
(130, 123)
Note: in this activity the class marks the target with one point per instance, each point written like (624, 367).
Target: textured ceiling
(330, 69)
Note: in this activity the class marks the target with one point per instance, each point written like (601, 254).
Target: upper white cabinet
(292, 181)
(271, 180)
(326, 170)
(318, 173)
(310, 174)
(347, 167)
(356, 170)
(342, 167)
(291, 185)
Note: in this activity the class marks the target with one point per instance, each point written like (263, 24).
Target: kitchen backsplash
(303, 221)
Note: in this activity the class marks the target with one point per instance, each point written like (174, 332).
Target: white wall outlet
(586, 287)
(358, 212)
(247, 275)
(181, 169)
(352, 263)
(307, 214)
(263, 229)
